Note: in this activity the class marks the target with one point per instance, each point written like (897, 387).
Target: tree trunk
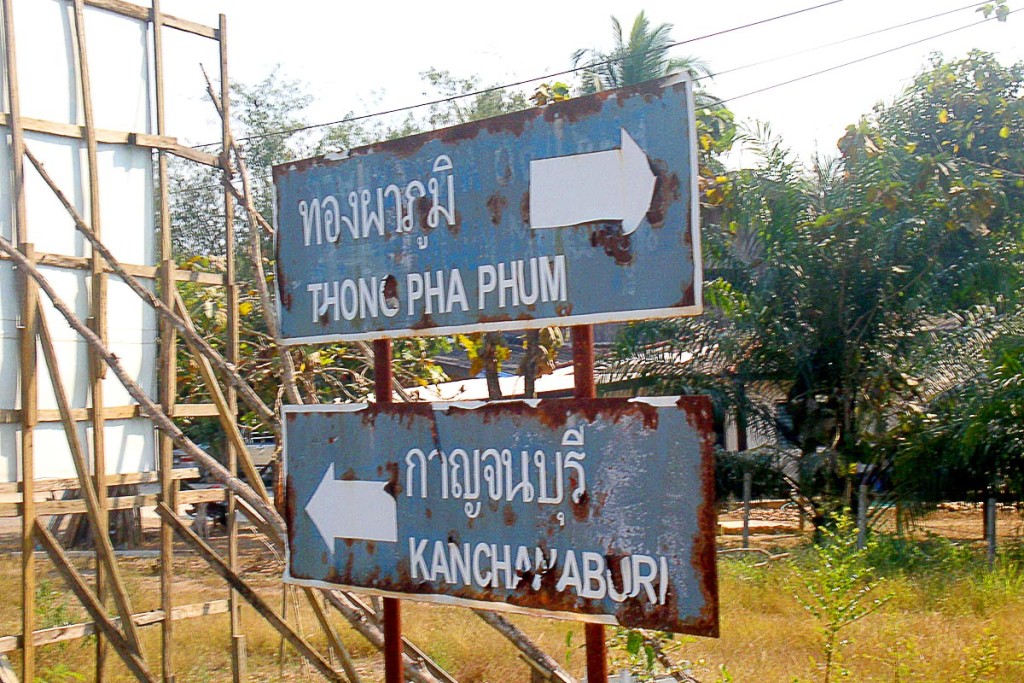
(530, 364)
(491, 342)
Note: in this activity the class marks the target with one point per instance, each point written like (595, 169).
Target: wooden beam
(128, 9)
(97, 501)
(132, 660)
(14, 416)
(77, 506)
(91, 497)
(60, 634)
(234, 448)
(8, 416)
(228, 422)
(26, 336)
(160, 420)
(110, 480)
(196, 155)
(148, 272)
(195, 410)
(249, 594)
(228, 371)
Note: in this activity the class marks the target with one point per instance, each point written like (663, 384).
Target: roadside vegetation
(864, 319)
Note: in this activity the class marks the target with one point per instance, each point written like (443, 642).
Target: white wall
(119, 67)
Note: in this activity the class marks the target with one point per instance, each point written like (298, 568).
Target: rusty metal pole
(585, 387)
(382, 379)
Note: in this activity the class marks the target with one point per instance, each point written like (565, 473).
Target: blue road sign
(578, 212)
(591, 509)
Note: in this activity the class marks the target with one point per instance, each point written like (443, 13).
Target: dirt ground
(446, 633)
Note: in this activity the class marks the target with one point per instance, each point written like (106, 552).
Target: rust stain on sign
(594, 509)
(489, 224)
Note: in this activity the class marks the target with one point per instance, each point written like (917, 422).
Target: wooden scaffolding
(156, 285)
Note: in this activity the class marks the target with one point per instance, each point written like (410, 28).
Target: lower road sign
(592, 509)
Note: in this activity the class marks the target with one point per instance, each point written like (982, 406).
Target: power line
(842, 41)
(484, 91)
(188, 189)
(858, 60)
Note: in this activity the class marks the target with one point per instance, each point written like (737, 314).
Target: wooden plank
(195, 410)
(96, 498)
(167, 368)
(77, 132)
(227, 421)
(234, 447)
(148, 272)
(8, 416)
(88, 487)
(77, 506)
(196, 155)
(26, 336)
(128, 9)
(198, 277)
(111, 480)
(60, 634)
(250, 595)
(132, 660)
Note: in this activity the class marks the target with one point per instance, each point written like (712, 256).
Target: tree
(640, 56)
(828, 281)
(268, 123)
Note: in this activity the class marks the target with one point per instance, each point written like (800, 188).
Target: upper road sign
(582, 211)
(596, 509)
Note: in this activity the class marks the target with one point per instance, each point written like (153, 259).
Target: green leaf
(634, 640)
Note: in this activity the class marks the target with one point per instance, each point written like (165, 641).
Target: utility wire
(842, 41)
(859, 60)
(745, 66)
(484, 91)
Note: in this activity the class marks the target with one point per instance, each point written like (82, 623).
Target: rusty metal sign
(591, 509)
(578, 212)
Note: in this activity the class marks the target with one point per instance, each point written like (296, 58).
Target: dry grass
(948, 613)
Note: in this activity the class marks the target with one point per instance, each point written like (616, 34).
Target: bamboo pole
(28, 366)
(26, 342)
(250, 595)
(97, 312)
(231, 355)
(96, 507)
(160, 420)
(132, 660)
(225, 369)
(256, 252)
(224, 410)
(168, 371)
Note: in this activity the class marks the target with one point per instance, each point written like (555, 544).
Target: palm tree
(641, 56)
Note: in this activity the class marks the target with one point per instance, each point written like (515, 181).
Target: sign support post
(382, 379)
(585, 387)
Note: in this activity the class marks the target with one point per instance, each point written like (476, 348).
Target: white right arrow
(353, 509)
(616, 185)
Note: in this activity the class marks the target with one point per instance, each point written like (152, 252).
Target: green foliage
(826, 284)
(482, 102)
(640, 56)
(58, 673)
(982, 661)
(646, 654)
(51, 606)
(838, 587)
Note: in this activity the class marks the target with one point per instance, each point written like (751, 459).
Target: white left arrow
(353, 509)
(615, 185)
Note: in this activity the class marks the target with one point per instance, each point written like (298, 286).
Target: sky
(363, 57)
